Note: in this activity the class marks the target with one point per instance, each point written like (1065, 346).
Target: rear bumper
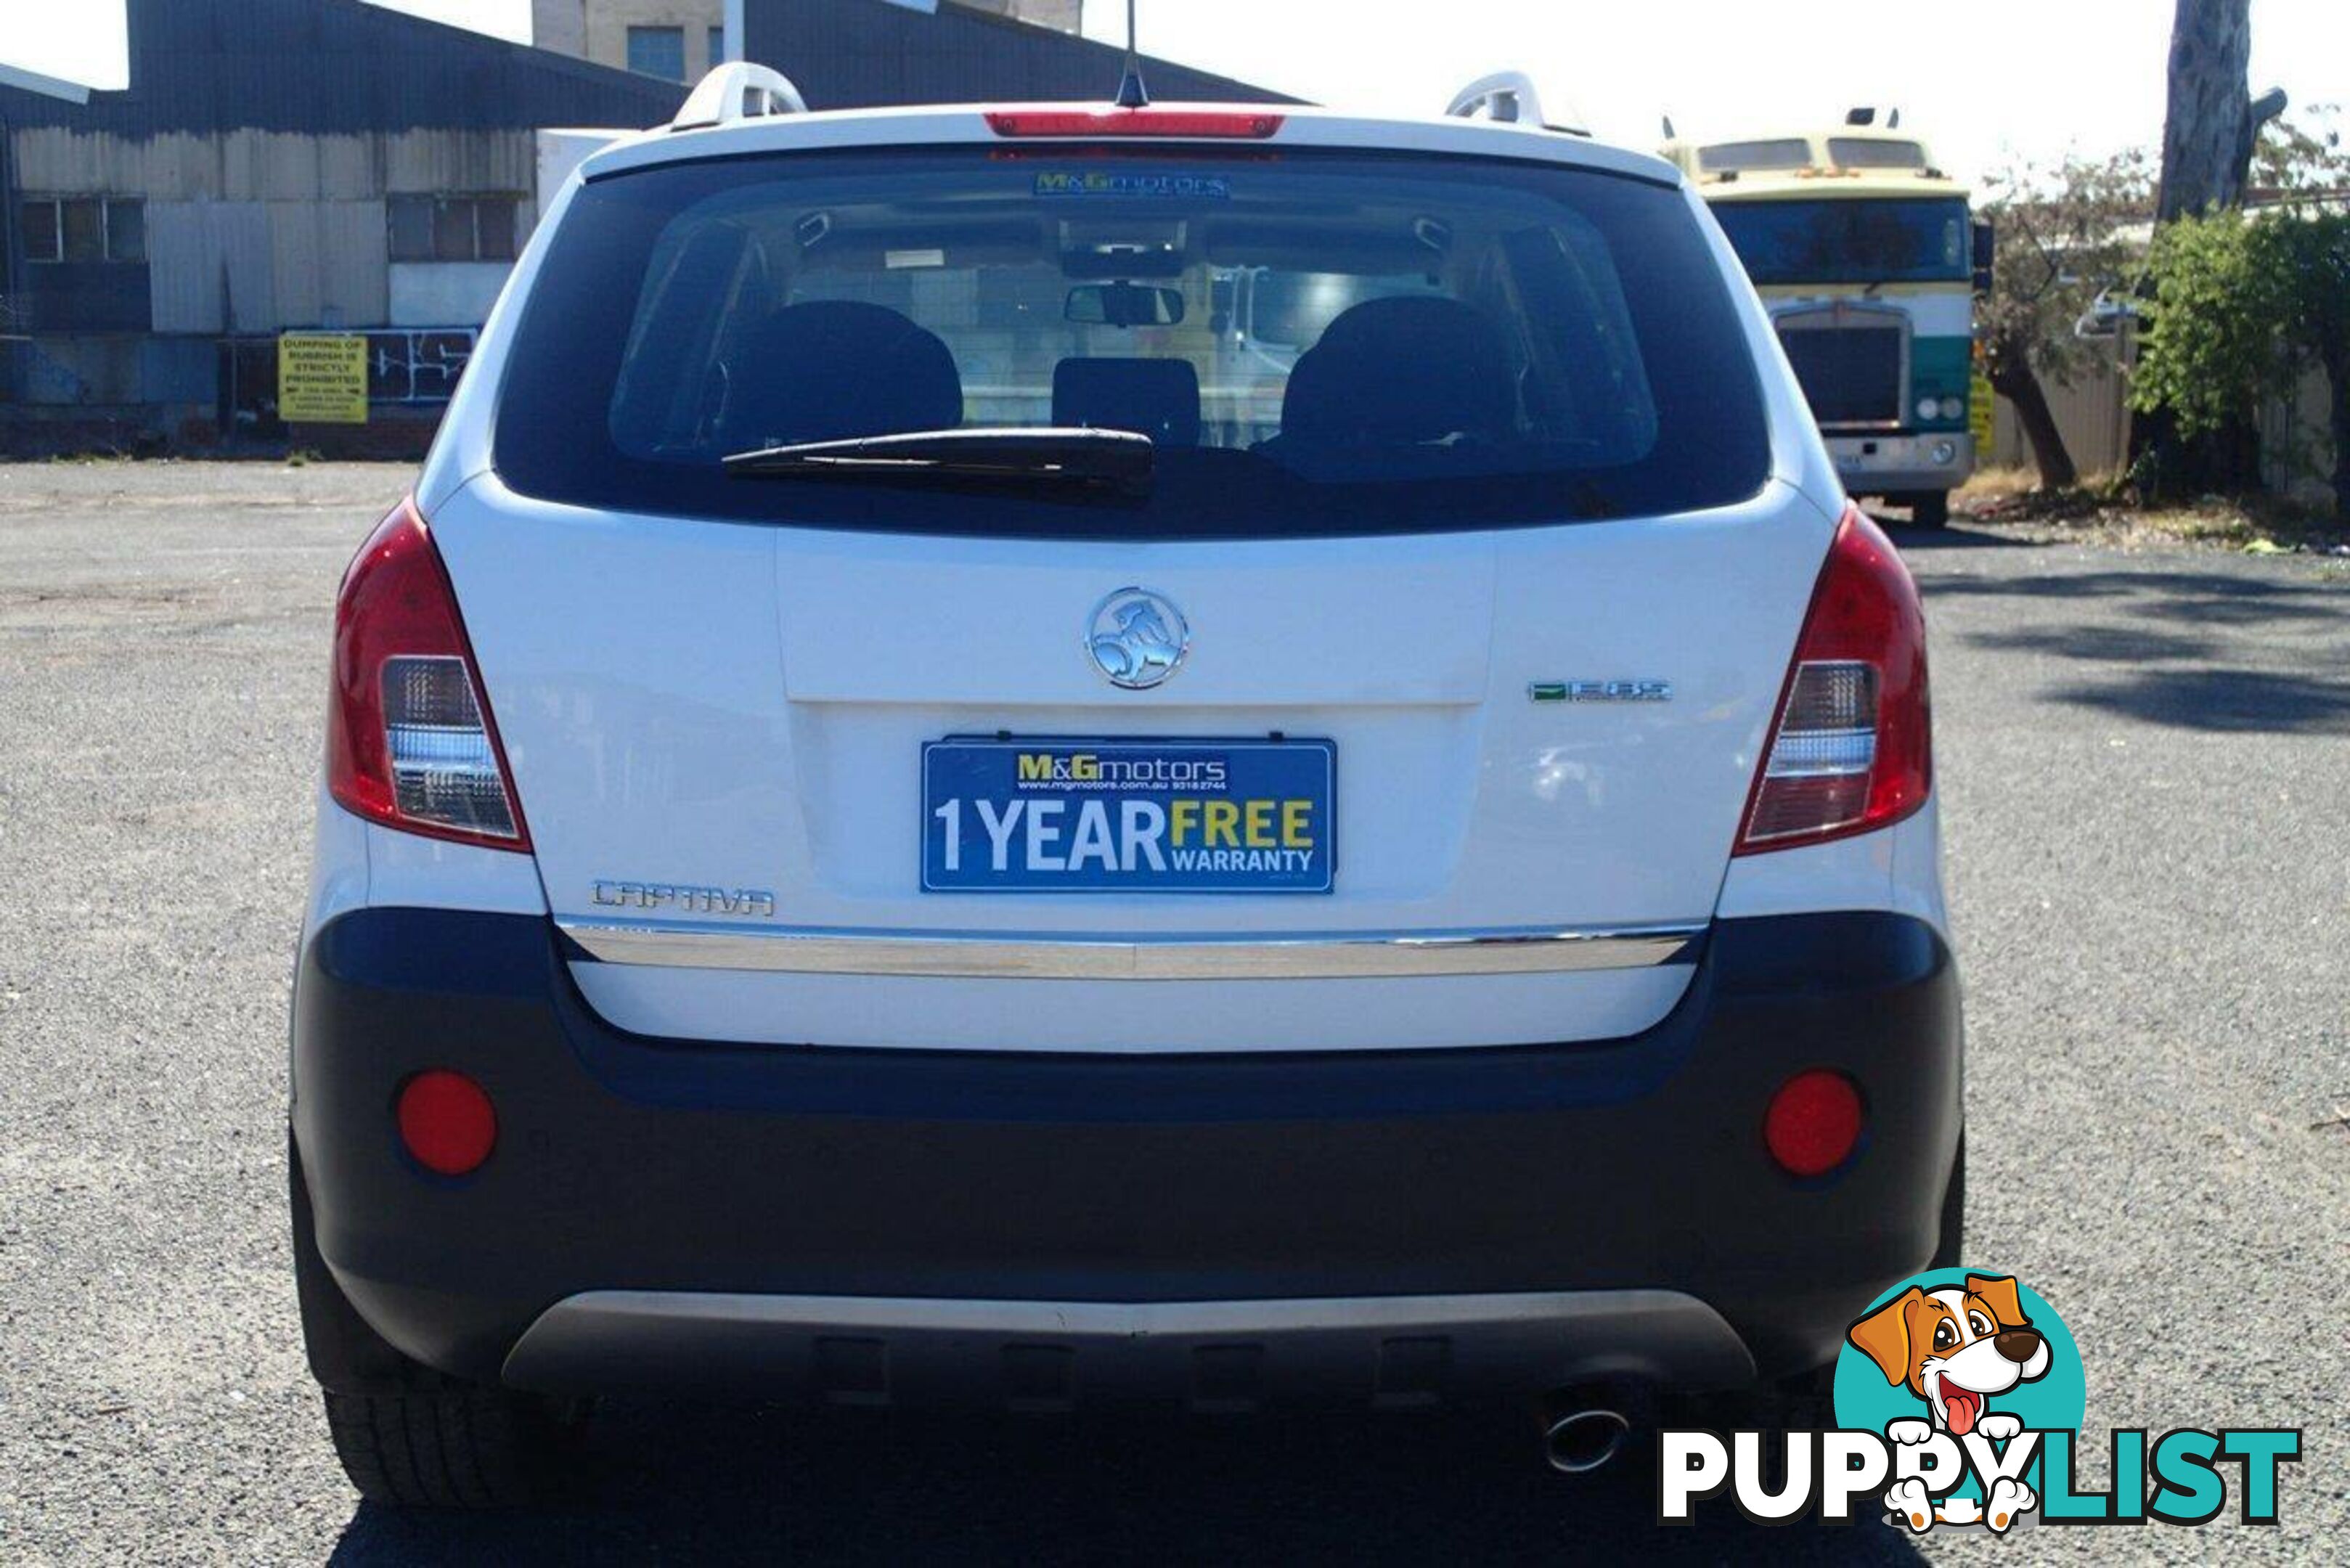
(1900, 464)
(1395, 1352)
(1395, 1226)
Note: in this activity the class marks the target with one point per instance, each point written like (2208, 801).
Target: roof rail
(1508, 98)
(737, 91)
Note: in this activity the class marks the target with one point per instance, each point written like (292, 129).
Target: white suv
(909, 813)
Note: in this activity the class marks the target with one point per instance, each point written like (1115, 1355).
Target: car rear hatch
(1409, 696)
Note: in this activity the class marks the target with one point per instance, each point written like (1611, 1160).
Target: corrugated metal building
(681, 39)
(275, 164)
(282, 166)
(860, 54)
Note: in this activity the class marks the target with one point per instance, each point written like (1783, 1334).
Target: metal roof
(340, 66)
(864, 54)
(34, 82)
(337, 66)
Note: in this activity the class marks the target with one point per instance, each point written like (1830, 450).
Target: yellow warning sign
(1979, 415)
(322, 379)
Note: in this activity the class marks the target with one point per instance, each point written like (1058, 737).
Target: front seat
(1402, 371)
(1157, 397)
(835, 369)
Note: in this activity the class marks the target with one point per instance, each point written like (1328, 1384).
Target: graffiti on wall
(417, 365)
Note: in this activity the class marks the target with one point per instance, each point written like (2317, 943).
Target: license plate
(1127, 816)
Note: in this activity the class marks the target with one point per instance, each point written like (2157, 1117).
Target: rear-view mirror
(1124, 304)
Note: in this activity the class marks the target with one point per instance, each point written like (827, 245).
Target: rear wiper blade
(1011, 456)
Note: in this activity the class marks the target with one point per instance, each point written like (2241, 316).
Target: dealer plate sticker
(1127, 816)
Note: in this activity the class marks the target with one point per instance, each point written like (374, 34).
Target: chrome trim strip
(1081, 1320)
(984, 954)
(603, 1341)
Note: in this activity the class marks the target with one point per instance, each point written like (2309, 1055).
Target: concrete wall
(117, 372)
(560, 26)
(608, 22)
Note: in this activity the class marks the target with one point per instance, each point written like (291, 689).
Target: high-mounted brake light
(1247, 125)
(1851, 748)
(409, 740)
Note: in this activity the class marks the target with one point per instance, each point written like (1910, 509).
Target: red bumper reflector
(446, 1122)
(1247, 126)
(1814, 1122)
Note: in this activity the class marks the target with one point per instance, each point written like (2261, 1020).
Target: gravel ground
(2147, 806)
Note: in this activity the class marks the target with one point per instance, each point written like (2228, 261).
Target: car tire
(409, 1437)
(1930, 509)
(454, 1446)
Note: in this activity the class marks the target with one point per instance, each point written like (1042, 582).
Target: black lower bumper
(626, 1164)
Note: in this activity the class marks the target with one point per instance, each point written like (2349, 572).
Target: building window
(451, 228)
(37, 220)
(658, 52)
(717, 48)
(126, 231)
(84, 229)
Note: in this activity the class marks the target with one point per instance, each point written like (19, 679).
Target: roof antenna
(1131, 93)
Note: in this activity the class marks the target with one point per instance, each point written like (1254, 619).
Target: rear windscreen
(1313, 343)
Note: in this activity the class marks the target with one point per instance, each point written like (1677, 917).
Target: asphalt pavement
(2144, 764)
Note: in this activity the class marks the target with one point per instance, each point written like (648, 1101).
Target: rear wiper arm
(1012, 456)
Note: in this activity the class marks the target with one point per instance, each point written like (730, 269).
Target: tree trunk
(2205, 148)
(2020, 384)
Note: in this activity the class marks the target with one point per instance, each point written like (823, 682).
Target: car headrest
(1403, 370)
(835, 369)
(1159, 398)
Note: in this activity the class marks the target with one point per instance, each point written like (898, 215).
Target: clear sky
(1981, 78)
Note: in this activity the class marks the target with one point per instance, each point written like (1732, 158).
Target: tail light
(409, 740)
(1851, 749)
(1196, 124)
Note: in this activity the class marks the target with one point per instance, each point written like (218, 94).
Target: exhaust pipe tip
(1582, 1441)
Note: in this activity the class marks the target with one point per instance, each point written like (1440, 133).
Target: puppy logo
(1955, 1348)
(1959, 1398)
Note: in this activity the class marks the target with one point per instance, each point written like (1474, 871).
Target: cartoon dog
(1955, 1349)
